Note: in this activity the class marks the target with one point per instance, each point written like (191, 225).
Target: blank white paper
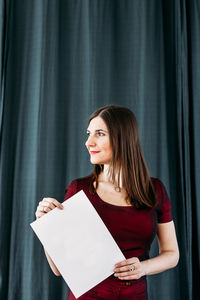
(79, 243)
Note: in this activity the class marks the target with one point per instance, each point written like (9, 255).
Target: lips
(94, 152)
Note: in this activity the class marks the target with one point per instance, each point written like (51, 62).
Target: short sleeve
(164, 214)
(70, 190)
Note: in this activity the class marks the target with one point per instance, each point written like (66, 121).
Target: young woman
(134, 207)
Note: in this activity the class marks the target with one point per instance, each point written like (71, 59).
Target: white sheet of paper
(79, 243)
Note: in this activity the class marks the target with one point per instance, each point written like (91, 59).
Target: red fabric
(132, 229)
(112, 289)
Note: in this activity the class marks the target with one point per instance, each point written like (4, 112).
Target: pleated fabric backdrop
(61, 60)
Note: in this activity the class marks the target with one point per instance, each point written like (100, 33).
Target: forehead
(97, 123)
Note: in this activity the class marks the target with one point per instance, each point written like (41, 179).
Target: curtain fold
(61, 60)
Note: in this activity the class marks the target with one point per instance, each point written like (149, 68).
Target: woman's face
(98, 142)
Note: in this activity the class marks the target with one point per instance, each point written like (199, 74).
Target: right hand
(46, 205)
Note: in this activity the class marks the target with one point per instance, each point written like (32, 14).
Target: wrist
(144, 267)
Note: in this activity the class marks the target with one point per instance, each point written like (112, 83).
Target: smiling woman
(98, 142)
(134, 206)
(122, 158)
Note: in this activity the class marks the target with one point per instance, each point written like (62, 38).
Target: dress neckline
(111, 205)
(107, 203)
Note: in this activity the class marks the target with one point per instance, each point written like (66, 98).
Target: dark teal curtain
(61, 60)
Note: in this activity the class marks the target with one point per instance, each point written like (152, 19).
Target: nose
(90, 141)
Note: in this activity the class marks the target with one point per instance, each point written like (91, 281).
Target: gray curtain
(61, 60)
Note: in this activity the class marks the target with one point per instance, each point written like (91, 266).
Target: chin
(98, 162)
(95, 162)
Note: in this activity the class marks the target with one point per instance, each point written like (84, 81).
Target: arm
(168, 256)
(168, 251)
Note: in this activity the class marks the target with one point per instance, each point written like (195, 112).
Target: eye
(88, 133)
(100, 133)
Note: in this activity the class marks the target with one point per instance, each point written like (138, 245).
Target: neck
(105, 176)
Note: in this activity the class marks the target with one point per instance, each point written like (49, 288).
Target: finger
(43, 208)
(123, 274)
(126, 262)
(122, 269)
(39, 215)
(47, 204)
(127, 268)
(130, 277)
(40, 209)
(121, 264)
(55, 202)
(46, 209)
(135, 274)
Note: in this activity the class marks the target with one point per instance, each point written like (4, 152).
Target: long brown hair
(127, 156)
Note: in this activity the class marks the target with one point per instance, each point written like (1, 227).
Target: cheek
(109, 150)
(106, 147)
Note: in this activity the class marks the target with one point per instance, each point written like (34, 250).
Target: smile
(94, 152)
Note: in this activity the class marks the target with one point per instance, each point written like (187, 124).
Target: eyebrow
(97, 130)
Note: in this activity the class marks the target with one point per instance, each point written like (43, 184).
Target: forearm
(52, 265)
(164, 261)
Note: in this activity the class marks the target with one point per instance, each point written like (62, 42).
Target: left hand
(129, 269)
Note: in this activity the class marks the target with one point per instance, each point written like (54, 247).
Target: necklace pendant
(117, 189)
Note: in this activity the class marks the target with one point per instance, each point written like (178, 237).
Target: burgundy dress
(133, 231)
